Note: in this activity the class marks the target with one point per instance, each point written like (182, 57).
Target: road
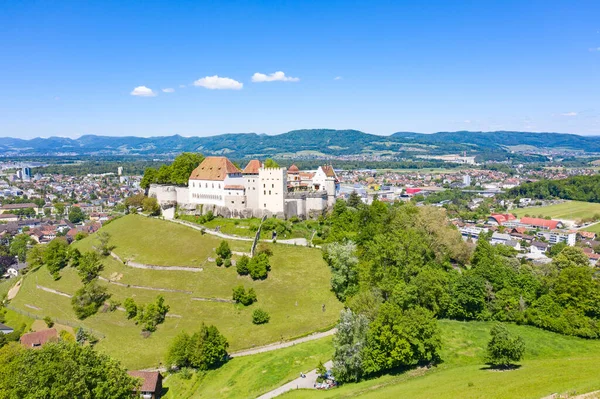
(307, 382)
(280, 345)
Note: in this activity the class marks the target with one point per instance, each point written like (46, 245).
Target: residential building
(38, 338)
(555, 236)
(151, 386)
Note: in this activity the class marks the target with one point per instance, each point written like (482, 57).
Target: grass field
(251, 376)
(552, 363)
(595, 228)
(570, 210)
(293, 294)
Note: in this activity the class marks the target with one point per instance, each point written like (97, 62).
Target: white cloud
(182, 86)
(218, 83)
(467, 121)
(168, 90)
(338, 78)
(569, 114)
(595, 49)
(143, 91)
(275, 76)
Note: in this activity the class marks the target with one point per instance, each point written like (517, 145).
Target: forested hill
(578, 188)
(302, 143)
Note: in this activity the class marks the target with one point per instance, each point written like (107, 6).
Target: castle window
(272, 186)
(269, 192)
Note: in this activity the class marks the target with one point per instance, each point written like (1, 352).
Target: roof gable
(214, 168)
(252, 167)
(149, 379)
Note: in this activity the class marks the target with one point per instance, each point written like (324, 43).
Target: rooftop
(214, 168)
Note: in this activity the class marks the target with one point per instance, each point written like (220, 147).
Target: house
(587, 235)
(556, 236)
(4, 329)
(538, 247)
(8, 217)
(151, 387)
(14, 270)
(539, 223)
(39, 338)
(14, 207)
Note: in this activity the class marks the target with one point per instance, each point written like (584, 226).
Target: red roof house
(39, 338)
(214, 168)
(542, 223)
(151, 383)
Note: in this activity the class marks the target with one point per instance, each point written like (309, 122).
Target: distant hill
(302, 143)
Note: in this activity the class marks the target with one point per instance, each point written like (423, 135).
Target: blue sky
(70, 68)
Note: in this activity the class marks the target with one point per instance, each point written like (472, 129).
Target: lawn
(251, 376)
(595, 228)
(293, 294)
(569, 210)
(552, 363)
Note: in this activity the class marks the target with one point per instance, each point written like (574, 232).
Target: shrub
(259, 267)
(219, 261)
(223, 250)
(242, 265)
(130, 308)
(504, 349)
(66, 336)
(87, 300)
(203, 350)
(246, 298)
(49, 322)
(227, 262)
(264, 249)
(259, 316)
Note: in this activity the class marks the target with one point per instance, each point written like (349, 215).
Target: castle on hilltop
(217, 185)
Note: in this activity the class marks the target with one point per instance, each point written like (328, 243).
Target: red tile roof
(18, 206)
(38, 338)
(150, 379)
(503, 217)
(214, 168)
(328, 169)
(293, 169)
(252, 167)
(538, 222)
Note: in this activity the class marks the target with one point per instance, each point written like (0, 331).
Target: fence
(59, 321)
(257, 236)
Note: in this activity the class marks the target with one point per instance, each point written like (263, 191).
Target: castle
(217, 185)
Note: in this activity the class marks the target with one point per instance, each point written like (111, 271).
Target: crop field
(569, 210)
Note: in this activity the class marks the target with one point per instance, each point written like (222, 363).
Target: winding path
(141, 287)
(286, 344)
(307, 382)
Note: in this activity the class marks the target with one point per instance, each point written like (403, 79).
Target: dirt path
(141, 287)
(213, 300)
(12, 293)
(280, 345)
(154, 267)
(307, 382)
(589, 395)
(53, 291)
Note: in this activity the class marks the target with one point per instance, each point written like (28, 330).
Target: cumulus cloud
(275, 76)
(217, 83)
(168, 90)
(569, 114)
(143, 91)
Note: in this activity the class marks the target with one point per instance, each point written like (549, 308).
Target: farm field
(293, 294)
(569, 210)
(553, 363)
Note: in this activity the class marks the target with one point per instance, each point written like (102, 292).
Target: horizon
(201, 69)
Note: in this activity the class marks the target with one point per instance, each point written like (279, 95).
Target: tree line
(577, 188)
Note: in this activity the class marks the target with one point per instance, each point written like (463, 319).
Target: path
(154, 267)
(12, 293)
(307, 382)
(52, 291)
(589, 225)
(141, 287)
(280, 345)
(589, 395)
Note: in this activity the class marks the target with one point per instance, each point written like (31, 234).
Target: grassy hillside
(570, 210)
(293, 294)
(552, 363)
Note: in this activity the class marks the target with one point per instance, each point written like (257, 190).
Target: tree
(76, 215)
(504, 349)
(203, 350)
(348, 344)
(56, 256)
(401, 338)
(130, 308)
(104, 246)
(150, 205)
(241, 296)
(242, 265)
(354, 200)
(556, 249)
(343, 262)
(19, 246)
(88, 299)
(183, 166)
(89, 266)
(258, 267)
(35, 256)
(152, 314)
(270, 163)
(62, 370)
(223, 250)
(150, 177)
(259, 316)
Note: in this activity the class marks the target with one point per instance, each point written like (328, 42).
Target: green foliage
(504, 349)
(177, 173)
(246, 298)
(270, 163)
(89, 266)
(259, 267)
(151, 315)
(130, 308)
(62, 370)
(49, 322)
(35, 257)
(348, 344)
(203, 350)
(242, 265)
(219, 261)
(56, 256)
(150, 205)
(76, 215)
(88, 299)
(19, 246)
(223, 250)
(579, 188)
(104, 246)
(80, 235)
(343, 262)
(259, 316)
(227, 262)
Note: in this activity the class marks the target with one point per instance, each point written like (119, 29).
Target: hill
(293, 294)
(552, 363)
(307, 143)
